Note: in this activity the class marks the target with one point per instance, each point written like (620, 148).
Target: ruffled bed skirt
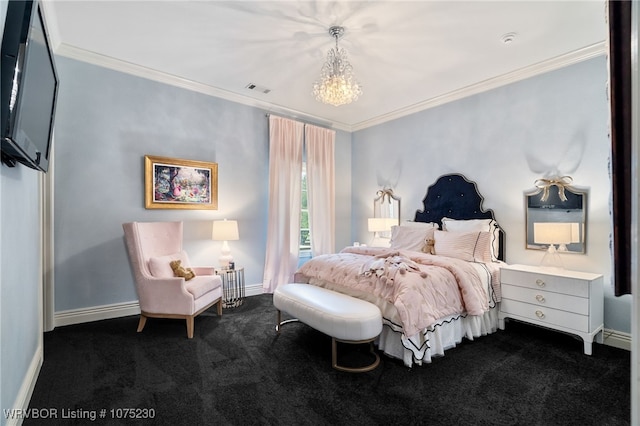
(443, 335)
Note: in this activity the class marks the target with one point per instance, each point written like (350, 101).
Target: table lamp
(225, 230)
(553, 233)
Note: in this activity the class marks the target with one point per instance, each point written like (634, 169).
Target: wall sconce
(553, 233)
(225, 230)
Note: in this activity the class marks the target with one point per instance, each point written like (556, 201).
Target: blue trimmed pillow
(476, 225)
(469, 246)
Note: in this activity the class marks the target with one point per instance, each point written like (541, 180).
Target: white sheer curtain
(321, 188)
(283, 227)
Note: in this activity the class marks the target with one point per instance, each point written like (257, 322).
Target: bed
(436, 284)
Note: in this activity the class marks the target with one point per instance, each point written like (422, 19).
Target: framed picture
(171, 183)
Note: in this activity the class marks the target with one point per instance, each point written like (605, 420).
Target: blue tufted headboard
(456, 197)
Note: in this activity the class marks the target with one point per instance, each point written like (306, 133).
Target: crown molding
(553, 64)
(97, 59)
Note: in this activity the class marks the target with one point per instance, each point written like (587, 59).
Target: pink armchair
(152, 246)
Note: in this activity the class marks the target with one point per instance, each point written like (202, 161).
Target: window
(305, 235)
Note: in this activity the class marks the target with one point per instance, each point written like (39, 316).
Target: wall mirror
(556, 214)
(386, 206)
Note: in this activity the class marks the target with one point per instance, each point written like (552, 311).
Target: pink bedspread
(422, 287)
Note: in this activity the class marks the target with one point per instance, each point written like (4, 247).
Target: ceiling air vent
(252, 86)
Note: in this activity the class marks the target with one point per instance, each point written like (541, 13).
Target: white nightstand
(559, 299)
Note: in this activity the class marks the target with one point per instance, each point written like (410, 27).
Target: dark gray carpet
(237, 371)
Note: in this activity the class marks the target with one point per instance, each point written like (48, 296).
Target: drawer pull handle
(540, 283)
(540, 298)
(540, 314)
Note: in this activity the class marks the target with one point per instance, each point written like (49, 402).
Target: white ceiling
(406, 54)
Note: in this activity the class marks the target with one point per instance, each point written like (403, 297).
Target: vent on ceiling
(252, 86)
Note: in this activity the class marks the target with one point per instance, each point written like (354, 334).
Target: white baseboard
(116, 310)
(253, 290)
(95, 313)
(21, 404)
(617, 339)
(613, 338)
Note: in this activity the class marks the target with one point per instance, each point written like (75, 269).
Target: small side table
(232, 286)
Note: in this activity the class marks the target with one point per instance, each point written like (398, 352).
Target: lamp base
(380, 242)
(226, 257)
(225, 261)
(551, 258)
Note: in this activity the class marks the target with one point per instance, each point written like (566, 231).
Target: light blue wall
(106, 122)
(20, 330)
(504, 139)
(20, 278)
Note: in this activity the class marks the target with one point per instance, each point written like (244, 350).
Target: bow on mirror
(560, 182)
(385, 192)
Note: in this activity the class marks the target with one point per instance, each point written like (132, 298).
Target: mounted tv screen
(29, 87)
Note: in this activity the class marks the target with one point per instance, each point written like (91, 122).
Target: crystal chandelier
(336, 85)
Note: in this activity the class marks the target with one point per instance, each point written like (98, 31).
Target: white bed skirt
(445, 334)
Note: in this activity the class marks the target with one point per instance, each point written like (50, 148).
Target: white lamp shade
(575, 232)
(380, 224)
(225, 230)
(554, 232)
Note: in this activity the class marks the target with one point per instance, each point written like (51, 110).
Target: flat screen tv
(29, 87)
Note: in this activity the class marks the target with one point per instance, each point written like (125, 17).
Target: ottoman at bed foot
(344, 318)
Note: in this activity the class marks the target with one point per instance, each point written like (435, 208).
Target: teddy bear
(429, 246)
(181, 271)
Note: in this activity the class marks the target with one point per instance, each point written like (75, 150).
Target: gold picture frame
(172, 183)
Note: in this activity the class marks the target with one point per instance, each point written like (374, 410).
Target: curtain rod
(325, 126)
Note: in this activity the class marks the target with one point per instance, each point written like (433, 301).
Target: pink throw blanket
(422, 287)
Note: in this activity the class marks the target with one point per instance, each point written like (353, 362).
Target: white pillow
(409, 238)
(412, 224)
(478, 225)
(469, 246)
(160, 267)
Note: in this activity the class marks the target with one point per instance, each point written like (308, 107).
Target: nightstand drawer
(544, 315)
(578, 305)
(553, 283)
(569, 301)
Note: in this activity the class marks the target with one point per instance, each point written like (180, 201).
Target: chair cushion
(160, 266)
(202, 284)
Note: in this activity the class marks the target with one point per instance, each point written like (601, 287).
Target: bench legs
(334, 349)
(280, 323)
(334, 356)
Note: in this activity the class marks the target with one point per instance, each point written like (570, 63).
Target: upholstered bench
(344, 318)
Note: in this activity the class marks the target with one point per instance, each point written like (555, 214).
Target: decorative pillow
(469, 246)
(160, 267)
(409, 238)
(479, 225)
(412, 224)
